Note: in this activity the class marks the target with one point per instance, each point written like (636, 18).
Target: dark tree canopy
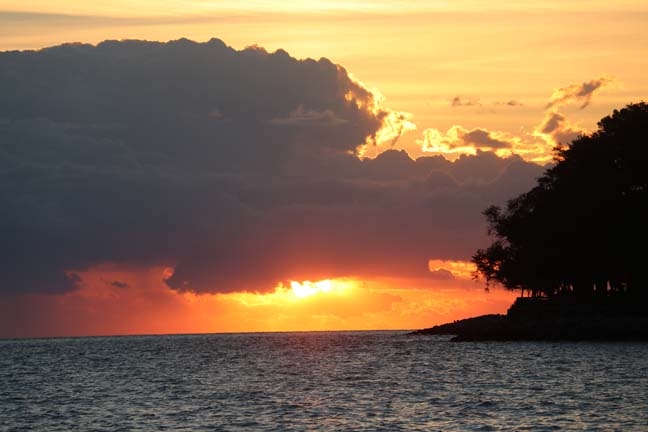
(583, 230)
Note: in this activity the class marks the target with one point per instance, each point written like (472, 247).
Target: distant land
(556, 319)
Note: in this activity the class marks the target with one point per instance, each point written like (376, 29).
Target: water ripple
(356, 381)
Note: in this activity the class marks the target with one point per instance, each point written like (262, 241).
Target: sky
(272, 166)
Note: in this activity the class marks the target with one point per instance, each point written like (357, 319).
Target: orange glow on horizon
(115, 301)
(295, 291)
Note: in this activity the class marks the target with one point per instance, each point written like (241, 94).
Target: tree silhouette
(583, 230)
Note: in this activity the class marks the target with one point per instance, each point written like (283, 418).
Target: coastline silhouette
(574, 244)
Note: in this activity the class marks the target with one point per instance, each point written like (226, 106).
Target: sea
(320, 381)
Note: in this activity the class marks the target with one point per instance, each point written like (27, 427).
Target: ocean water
(319, 381)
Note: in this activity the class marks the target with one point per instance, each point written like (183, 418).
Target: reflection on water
(320, 381)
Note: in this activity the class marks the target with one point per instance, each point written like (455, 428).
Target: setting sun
(286, 294)
(308, 288)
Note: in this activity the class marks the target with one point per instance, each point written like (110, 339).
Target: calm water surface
(320, 381)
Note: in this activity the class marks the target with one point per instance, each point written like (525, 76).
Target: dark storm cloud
(238, 168)
(385, 222)
(303, 117)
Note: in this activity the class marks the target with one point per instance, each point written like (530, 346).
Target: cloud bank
(459, 140)
(238, 169)
(554, 129)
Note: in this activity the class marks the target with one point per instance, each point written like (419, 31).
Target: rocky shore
(536, 319)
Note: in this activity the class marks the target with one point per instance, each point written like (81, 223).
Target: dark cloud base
(238, 168)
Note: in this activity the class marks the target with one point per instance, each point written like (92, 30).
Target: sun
(308, 288)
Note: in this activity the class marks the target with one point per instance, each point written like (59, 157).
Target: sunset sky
(225, 183)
